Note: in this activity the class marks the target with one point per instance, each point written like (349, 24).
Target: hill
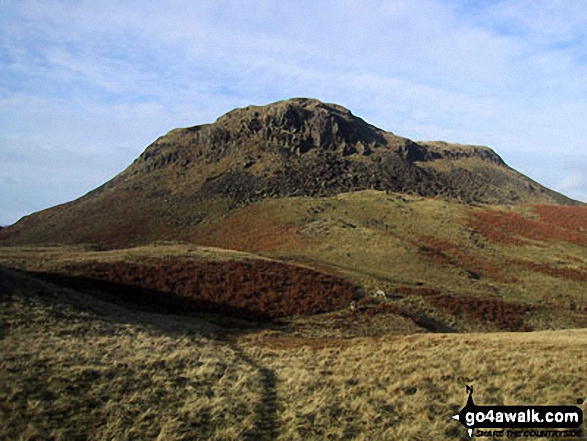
(443, 265)
(327, 210)
(291, 272)
(298, 147)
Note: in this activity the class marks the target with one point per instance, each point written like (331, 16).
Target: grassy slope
(430, 255)
(74, 367)
(532, 255)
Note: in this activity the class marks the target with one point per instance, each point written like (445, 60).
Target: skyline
(86, 87)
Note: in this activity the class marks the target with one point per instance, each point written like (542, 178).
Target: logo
(475, 417)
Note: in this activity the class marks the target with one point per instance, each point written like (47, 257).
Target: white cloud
(577, 182)
(89, 80)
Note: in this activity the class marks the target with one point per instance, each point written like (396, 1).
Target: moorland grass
(74, 367)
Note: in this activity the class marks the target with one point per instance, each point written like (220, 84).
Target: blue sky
(86, 86)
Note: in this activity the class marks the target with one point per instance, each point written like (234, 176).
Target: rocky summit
(306, 147)
(297, 147)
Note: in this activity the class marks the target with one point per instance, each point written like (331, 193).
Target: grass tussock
(407, 388)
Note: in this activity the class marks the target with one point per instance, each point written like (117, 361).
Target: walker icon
(469, 407)
(489, 417)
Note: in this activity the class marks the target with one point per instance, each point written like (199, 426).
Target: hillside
(298, 147)
(444, 266)
(291, 272)
(328, 210)
(77, 368)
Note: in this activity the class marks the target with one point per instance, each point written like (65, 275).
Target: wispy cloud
(96, 77)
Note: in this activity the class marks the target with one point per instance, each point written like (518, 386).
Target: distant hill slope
(298, 147)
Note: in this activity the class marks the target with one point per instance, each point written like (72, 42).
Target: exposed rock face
(298, 147)
(290, 129)
(306, 147)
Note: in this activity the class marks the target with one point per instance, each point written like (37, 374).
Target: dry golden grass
(407, 387)
(51, 258)
(74, 367)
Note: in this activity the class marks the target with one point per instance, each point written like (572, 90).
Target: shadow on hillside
(152, 300)
(266, 421)
(121, 303)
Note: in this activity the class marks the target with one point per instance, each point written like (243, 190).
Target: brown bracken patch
(256, 289)
(550, 270)
(253, 229)
(446, 253)
(569, 218)
(555, 223)
(506, 316)
(501, 227)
